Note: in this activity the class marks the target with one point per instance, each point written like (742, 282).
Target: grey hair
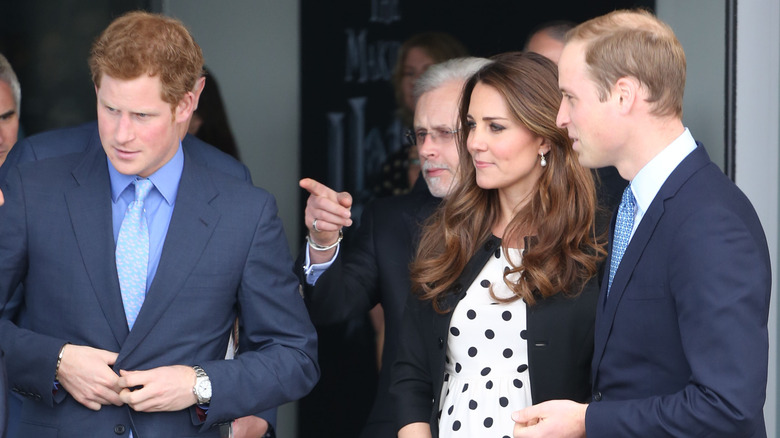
(454, 69)
(8, 76)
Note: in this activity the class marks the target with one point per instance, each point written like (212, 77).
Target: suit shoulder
(211, 157)
(60, 141)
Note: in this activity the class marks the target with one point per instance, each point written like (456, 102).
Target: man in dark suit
(681, 338)
(374, 267)
(87, 363)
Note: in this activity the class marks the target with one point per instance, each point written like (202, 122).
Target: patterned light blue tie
(623, 225)
(132, 253)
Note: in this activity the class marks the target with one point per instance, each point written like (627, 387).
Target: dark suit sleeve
(349, 287)
(412, 385)
(31, 371)
(719, 279)
(277, 362)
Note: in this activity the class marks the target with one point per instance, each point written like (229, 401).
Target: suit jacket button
(597, 396)
(441, 343)
(119, 429)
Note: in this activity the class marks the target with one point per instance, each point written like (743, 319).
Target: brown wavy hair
(140, 43)
(561, 210)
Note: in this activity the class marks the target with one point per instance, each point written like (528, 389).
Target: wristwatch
(202, 388)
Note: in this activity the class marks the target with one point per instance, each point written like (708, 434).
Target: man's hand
(2, 200)
(556, 418)
(331, 210)
(86, 374)
(159, 389)
(249, 427)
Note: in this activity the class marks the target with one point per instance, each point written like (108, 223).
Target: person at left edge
(216, 251)
(77, 139)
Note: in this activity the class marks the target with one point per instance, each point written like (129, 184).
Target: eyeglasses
(438, 136)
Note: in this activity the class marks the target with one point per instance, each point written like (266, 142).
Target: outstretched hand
(330, 209)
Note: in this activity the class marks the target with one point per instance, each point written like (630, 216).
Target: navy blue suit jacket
(225, 255)
(681, 343)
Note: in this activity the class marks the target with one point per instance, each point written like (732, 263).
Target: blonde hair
(637, 44)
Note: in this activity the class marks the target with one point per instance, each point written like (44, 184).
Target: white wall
(758, 135)
(251, 47)
(699, 25)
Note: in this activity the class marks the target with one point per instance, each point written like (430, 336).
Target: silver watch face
(203, 389)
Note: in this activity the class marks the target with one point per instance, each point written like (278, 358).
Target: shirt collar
(650, 178)
(165, 179)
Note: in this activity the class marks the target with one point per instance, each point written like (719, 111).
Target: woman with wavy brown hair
(505, 274)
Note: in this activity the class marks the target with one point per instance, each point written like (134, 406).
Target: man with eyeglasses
(373, 267)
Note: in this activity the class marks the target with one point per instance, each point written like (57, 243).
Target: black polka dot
(507, 315)
(449, 411)
(454, 331)
(490, 334)
(508, 353)
(472, 351)
(485, 371)
(473, 404)
(522, 368)
(471, 314)
(447, 359)
(448, 392)
(497, 254)
(446, 377)
(457, 367)
(439, 415)
(484, 283)
(456, 425)
(465, 387)
(518, 383)
(524, 334)
(488, 422)
(506, 269)
(503, 401)
(506, 436)
(489, 384)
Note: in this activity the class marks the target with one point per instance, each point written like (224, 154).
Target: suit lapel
(89, 206)
(605, 314)
(192, 223)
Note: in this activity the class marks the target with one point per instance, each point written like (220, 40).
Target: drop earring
(542, 160)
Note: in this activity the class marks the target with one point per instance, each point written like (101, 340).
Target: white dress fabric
(486, 370)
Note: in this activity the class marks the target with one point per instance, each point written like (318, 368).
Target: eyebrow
(439, 126)
(7, 113)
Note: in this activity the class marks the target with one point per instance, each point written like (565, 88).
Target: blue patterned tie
(623, 225)
(132, 253)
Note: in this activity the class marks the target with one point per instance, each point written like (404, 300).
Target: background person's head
(437, 93)
(210, 122)
(145, 67)
(10, 102)
(547, 39)
(415, 55)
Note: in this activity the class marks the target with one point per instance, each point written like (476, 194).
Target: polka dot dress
(486, 370)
